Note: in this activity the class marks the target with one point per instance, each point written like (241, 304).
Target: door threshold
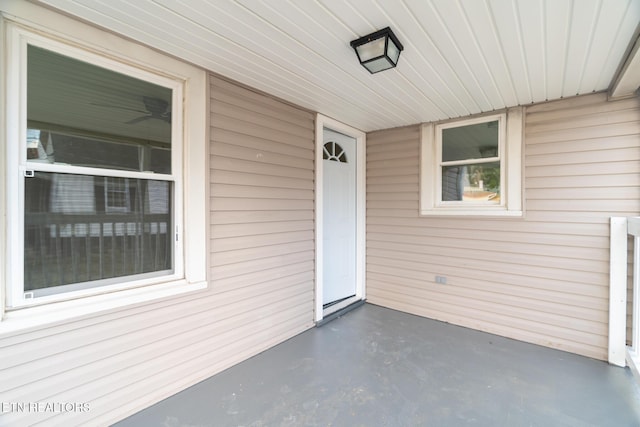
(339, 309)
(337, 302)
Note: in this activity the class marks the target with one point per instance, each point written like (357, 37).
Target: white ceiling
(461, 56)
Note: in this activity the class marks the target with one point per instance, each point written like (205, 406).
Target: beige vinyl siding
(261, 282)
(542, 278)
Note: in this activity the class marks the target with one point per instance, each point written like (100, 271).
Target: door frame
(360, 137)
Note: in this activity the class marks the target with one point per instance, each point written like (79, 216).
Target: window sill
(20, 320)
(472, 212)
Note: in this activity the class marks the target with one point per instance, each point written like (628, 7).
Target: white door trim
(360, 137)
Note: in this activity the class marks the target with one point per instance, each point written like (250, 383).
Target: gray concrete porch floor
(380, 367)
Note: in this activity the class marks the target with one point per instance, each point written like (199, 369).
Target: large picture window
(99, 190)
(472, 166)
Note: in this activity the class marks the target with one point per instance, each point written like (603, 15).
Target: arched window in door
(333, 151)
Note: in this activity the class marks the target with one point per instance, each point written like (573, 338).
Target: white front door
(339, 217)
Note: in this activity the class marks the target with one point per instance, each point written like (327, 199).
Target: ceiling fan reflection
(155, 108)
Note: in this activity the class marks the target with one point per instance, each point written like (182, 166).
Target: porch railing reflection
(62, 249)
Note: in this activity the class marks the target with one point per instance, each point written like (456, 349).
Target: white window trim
(193, 257)
(510, 153)
(18, 38)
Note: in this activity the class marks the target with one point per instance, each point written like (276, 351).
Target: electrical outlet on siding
(441, 279)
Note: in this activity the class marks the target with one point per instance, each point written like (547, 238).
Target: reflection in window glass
(81, 228)
(471, 183)
(84, 115)
(470, 163)
(477, 141)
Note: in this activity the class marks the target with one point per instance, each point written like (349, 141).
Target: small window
(334, 152)
(472, 167)
(116, 195)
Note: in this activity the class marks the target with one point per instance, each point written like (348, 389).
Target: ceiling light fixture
(378, 51)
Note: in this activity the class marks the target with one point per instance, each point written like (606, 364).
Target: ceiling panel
(461, 57)
(315, 39)
(280, 48)
(531, 27)
(557, 28)
(481, 24)
(472, 58)
(580, 38)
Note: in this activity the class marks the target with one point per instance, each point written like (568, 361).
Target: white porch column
(618, 291)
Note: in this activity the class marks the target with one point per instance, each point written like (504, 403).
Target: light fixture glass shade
(371, 50)
(378, 51)
(393, 53)
(378, 64)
